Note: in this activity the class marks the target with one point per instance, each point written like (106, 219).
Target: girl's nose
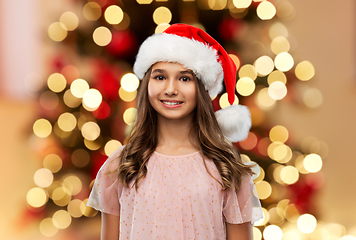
(171, 87)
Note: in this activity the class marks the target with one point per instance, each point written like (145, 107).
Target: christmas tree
(87, 105)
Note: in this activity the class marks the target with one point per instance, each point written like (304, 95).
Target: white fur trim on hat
(192, 54)
(234, 122)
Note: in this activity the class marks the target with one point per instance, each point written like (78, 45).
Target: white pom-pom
(234, 122)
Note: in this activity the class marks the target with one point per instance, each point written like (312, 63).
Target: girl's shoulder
(113, 161)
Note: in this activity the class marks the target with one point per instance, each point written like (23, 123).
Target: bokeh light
(144, 1)
(278, 29)
(92, 11)
(57, 31)
(61, 196)
(130, 82)
(242, 3)
(276, 76)
(264, 65)
(313, 163)
(49, 100)
(79, 87)
(312, 98)
(89, 212)
(92, 99)
(264, 189)
(76, 208)
(285, 11)
(111, 146)
(304, 71)
(257, 234)
(70, 20)
(264, 100)
(162, 15)
(43, 177)
(280, 44)
(61, 219)
(236, 60)
(266, 10)
(249, 71)
(279, 134)
(127, 96)
(90, 131)
(102, 36)
(277, 90)
(70, 100)
(42, 128)
(272, 232)
(245, 86)
(306, 223)
(36, 197)
(52, 162)
(114, 14)
(56, 82)
(47, 228)
(67, 122)
(73, 184)
(264, 219)
(130, 115)
(289, 175)
(284, 61)
(223, 101)
(161, 27)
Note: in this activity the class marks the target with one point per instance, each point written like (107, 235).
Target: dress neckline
(177, 156)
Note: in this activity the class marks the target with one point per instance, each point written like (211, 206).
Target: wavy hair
(212, 144)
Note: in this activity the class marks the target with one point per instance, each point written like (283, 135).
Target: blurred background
(67, 100)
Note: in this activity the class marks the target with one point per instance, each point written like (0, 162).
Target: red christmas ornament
(123, 43)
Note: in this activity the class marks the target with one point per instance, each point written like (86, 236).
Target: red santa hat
(198, 51)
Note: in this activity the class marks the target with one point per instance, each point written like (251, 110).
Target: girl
(179, 176)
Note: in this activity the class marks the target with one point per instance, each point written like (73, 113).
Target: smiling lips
(171, 103)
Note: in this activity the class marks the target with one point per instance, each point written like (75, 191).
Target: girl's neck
(175, 136)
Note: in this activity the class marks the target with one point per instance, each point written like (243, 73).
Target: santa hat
(198, 51)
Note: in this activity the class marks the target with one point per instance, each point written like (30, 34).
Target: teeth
(171, 103)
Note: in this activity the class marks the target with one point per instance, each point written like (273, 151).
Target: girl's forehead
(170, 66)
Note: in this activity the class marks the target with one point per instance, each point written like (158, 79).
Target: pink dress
(177, 199)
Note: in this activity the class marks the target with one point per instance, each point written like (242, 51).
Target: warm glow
(280, 44)
(42, 128)
(312, 98)
(93, 145)
(162, 15)
(130, 82)
(56, 82)
(285, 11)
(70, 100)
(304, 71)
(67, 122)
(284, 61)
(236, 60)
(90, 131)
(277, 90)
(114, 14)
(242, 3)
(57, 31)
(89, 212)
(264, 65)
(266, 10)
(223, 101)
(264, 189)
(102, 36)
(130, 115)
(217, 4)
(248, 70)
(313, 163)
(61, 196)
(289, 175)
(36, 197)
(73, 184)
(80, 158)
(111, 146)
(127, 96)
(92, 99)
(306, 223)
(279, 134)
(52, 162)
(49, 100)
(278, 29)
(257, 235)
(43, 177)
(76, 208)
(62, 219)
(161, 27)
(245, 86)
(290, 235)
(272, 232)
(264, 100)
(79, 87)
(92, 11)
(276, 76)
(144, 1)
(47, 228)
(70, 20)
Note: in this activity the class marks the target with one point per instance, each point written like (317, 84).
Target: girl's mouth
(171, 104)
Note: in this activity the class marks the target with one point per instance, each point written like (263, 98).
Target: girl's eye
(159, 77)
(185, 79)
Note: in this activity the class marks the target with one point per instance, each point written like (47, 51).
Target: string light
(242, 3)
(114, 14)
(70, 20)
(162, 15)
(57, 31)
(129, 82)
(272, 232)
(266, 10)
(42, 128)
(223, 101)
(102, 36)
(92, 11)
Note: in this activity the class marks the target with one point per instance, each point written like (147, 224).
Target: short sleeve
(107, 189)
(242, 205)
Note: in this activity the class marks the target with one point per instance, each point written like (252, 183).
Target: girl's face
(172, 90)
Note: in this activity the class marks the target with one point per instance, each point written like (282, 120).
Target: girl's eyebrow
(181, 72)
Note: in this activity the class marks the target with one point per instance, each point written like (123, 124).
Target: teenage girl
(179, 176)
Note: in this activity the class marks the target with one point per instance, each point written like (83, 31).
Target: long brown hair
(143, 139)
